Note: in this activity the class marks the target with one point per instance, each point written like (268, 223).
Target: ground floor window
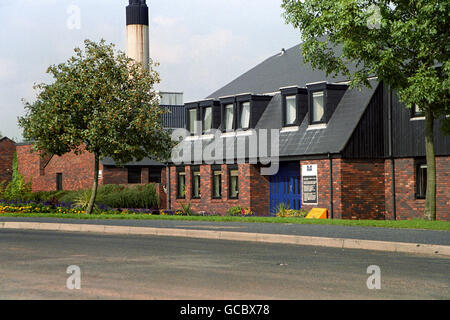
(234, 183)
(59, 185)
(181, 184)
(217, 183)
(134, 175)
(154, 175)
(421, 179)
(196, 183)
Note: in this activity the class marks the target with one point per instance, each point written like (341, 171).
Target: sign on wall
(309, 184)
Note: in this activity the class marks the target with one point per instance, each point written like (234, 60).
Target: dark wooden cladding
(367, 140)
(409, 133)
(371, 138)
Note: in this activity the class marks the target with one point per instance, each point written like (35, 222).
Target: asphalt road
(33, 265)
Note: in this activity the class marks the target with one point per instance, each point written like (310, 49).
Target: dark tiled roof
(274, 73)
(304, 141)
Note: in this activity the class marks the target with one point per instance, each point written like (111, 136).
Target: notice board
(309, 184)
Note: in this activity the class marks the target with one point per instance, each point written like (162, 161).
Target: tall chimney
(137, 32)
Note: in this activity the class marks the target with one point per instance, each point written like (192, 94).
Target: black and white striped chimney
(138, 32)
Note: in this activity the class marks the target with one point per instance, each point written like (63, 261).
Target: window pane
(417, 111)
(207, 121)
(291, 110)
(245, 115)
(234, 183)
(134, 175)
(217, 180)
(421, 180)
(59, 182)
(229, 117)
(318, 109)
(192, 120)
(196, 185)
(181, 185)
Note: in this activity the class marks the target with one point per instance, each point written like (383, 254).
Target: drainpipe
(391, 153)
(168, 187)
(331, 185)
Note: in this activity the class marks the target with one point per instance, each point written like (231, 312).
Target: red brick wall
(358, 188)
(7, 149)
(253, 191)
(407, 206)
(363, 191)
(115, 175)
(28, 164)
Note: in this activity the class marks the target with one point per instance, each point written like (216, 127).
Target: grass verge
(402, 224)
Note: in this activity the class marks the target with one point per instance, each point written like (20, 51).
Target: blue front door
(285, 188)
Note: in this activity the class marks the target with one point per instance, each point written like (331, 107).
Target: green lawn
(403, 224)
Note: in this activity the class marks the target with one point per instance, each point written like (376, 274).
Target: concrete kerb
(399, 247)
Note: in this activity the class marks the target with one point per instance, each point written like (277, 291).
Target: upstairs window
(229, 117)
(193, 121)
(417, 112)
(245, 115)
(207, 119)
(318, 109)
(290, 110)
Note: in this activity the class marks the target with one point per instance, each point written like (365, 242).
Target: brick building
(7, 150)
(75, 172)
(358, 153)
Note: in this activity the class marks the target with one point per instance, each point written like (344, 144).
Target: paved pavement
(344, 232)
(33, 265)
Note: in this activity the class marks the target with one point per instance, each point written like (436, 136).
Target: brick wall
(407, 206)
(253, 190)
(7, 149)
(358, 188)
(363, 191)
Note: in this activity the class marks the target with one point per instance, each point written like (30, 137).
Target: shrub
(186, 209)
(240, 211)
(283, 211)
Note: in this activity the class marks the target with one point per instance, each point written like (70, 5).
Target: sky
(201, 45)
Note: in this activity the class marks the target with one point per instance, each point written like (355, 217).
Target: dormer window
(207, 119)
(318, 109)
(245, 115)
(290, 110)
(417, 112)
(294, 106)
(193, 121)
(229, 117)
(323, 101)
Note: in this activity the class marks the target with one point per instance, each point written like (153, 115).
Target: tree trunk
(94, 186)
(430, 202)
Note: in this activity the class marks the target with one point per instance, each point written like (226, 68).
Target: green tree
(102, 102)
(405, 43)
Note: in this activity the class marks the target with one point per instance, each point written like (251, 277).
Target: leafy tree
(102, 102)
(405, 43)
